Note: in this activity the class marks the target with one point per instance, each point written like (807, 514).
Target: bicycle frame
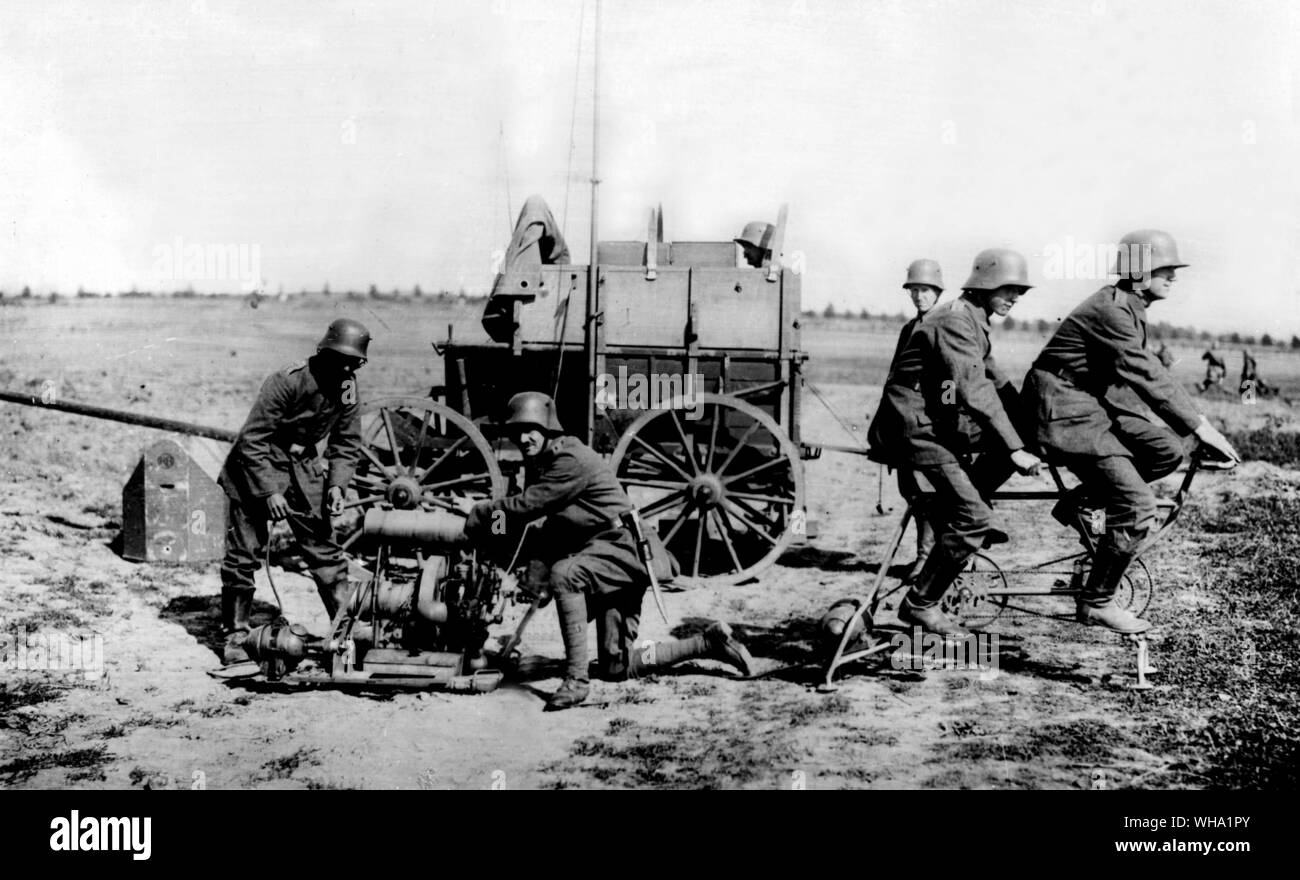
(866, 609)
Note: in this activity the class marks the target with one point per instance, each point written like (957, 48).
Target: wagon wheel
(721, 482)
(417, 454)
(969, 599)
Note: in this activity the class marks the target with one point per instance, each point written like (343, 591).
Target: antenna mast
(590, 334)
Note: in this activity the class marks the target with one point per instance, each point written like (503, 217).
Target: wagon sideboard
(692, 322)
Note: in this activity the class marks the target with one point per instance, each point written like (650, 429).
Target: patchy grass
(1085, 740)
(727, 749)
(26, 692)
(284, 767)
(50, 618)
(1232, 717)
(84, 763)
(1281, 448)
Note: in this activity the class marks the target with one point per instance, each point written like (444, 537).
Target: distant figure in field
(1215, 368)
(1165, 355)
(1250, 378)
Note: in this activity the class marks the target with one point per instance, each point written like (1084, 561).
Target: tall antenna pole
(591, 335)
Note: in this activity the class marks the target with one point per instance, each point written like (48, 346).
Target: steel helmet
(924, 272)
(757, 234)
(535, 409)
(348, 337)
(1144, 251)
(998, 267)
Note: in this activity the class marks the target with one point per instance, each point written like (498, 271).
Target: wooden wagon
(681, 362)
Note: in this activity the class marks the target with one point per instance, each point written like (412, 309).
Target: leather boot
(1096, 604)
(571, 609)
(930, 619)
(921, 606)
(724, 646)
(236, 609)
(924, 547)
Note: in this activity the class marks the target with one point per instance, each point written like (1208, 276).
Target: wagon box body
(682, 363)
(732, 330)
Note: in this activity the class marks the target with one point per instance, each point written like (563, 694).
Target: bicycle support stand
(861, 621)
(1144, 667)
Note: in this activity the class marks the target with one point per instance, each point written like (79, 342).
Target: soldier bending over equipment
(595, 570)
(274, 472)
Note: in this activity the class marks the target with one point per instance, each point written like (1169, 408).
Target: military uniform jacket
(1091, 370)
(945, 396)
(575, 489)
(904, 335)
(278, 446)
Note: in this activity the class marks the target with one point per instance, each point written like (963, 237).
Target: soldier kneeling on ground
(595, 569)
(274, 473)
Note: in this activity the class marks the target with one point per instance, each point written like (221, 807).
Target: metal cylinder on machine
(427, 606)
(833, 622)
(416, 526)
(277, 648)
(390, 598)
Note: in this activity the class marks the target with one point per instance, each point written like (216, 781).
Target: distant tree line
(1162, 331)
(373, 292)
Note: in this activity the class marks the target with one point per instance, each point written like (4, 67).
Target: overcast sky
(387, 143)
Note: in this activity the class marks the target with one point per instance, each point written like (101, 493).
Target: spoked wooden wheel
(721, 482)
(418, 454)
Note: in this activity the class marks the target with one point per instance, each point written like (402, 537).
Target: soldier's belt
(297, 451)
(1060, 371)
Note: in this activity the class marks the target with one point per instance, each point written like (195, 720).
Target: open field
(1056, 714)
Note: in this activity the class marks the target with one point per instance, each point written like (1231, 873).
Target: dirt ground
(1057, 713)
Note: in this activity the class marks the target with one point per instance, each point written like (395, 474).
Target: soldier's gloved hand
(277, 507)
(1211, 437)
(1026, 462)
(334, 501)
(464, 505)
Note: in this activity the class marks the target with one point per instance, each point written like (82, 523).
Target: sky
(391, 143)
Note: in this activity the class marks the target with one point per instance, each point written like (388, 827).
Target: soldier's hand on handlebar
(1026, 462)
(277, 507)
(1211, 437)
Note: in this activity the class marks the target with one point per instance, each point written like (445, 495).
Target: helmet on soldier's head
(1144, 251)
(533, 409)
(348, 337)
(757, 234)
(924, 272)
(998, 267)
